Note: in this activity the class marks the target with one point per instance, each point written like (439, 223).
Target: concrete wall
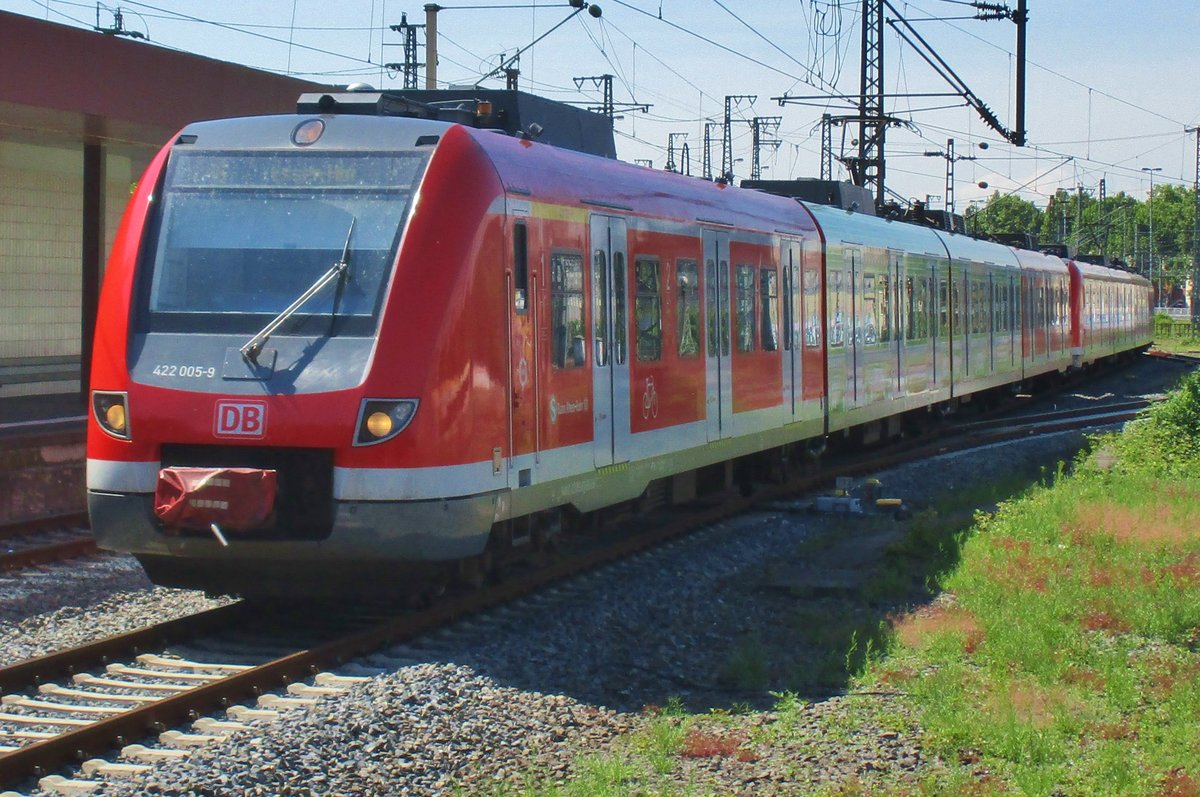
(41, 208)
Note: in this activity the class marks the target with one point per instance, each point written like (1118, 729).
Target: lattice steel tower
(868, 168)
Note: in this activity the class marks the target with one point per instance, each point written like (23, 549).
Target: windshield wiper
(254, 346)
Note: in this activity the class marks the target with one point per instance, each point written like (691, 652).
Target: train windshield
(239, 236)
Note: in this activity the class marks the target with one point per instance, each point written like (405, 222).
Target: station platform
(42, 458)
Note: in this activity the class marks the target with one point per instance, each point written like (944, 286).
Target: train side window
(520, 267)
(687, 307)
(769, 312)
(956, 302)
(978, 308)
(567, 346)
(910, 302)
(811, 284)
(870, 318)
(648, 309)
(883, 288)
(1014, 300)
(789, 293)
(993, 293)
(1004, 311)
(837, 321)
(744, 313)
(710, 283)
(943, 309)
(600, 305)
(620, 328)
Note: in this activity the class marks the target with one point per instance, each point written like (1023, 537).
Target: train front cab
(243, 240)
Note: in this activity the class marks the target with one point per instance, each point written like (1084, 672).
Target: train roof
(844, 226)
(515, 113)
(1040, 261)
(556, 175)
(1095, 272)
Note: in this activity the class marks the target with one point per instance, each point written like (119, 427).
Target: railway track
(62, 709)
(1076, 417)
(44, 540)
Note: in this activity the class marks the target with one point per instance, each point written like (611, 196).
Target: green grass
(1177, 339)
(1068, 660)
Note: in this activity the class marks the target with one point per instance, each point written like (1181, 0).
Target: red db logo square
(245, 419)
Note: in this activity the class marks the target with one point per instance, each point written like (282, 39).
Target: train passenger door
(719, 373)
(789, 263)
(610, 350)
(524, 429)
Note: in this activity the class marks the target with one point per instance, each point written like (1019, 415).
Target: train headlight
(380, 424)
(111, 413)
(380, 420)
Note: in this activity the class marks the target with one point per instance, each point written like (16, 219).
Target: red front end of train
(198, 366)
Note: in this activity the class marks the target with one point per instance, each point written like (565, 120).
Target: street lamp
(951, 158)
(1151, 170)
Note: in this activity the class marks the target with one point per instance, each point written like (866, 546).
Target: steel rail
(20, 527)
(1041, 417)
(33, 672)
(44, 554)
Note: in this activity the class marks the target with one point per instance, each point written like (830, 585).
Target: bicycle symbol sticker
(650, 400)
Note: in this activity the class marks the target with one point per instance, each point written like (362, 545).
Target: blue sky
(1111, 85)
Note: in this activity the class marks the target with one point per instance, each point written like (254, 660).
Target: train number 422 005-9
(194, 371)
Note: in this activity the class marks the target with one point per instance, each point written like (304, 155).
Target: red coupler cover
(233, 498)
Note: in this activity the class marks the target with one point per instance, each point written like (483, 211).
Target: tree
(1005, 214)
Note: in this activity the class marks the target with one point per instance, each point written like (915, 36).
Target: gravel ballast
(50, 608)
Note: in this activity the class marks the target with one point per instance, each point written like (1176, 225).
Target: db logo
(240, 419)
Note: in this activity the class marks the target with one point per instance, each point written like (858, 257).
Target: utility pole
(605, 84)
(431, 45)
(409, 35)
(1102, 194)
(1150, 207)
(868, 168)
(1078, 231)
(765, 129)
(1194, 298)
(727, 141)
(672, 166)
(826, 147)
(708, 128)
(607, 105)
(951, 159)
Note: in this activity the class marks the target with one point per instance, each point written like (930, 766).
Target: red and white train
(434, 338)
